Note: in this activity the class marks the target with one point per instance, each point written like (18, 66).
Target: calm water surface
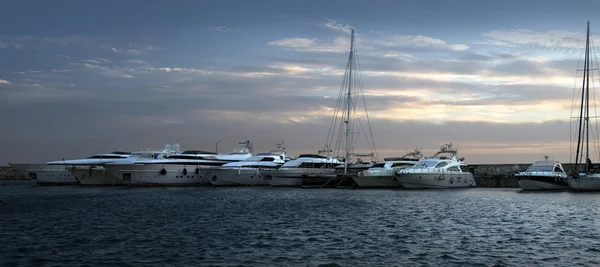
(87, 226)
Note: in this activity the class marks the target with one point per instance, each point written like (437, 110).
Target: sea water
(264, 226)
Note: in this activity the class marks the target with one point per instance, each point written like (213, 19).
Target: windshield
(546, 168)
(425, 164)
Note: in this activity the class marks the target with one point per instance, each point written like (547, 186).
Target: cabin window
(306, 165)
(441, 164)
(401, 165)
(557, 169)
(454, 169)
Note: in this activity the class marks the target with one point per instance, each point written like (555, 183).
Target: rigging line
(574, 103)
(366, 111)
(356, 113)
(580, 129)
(594, 64)
(331, 132)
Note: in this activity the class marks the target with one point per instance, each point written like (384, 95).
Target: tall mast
(348, 100)
(583, 115)
(587, 97)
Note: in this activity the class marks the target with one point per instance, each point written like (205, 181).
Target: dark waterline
(87, 226)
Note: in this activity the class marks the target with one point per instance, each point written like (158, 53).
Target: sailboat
(345, 128)
(585, 177)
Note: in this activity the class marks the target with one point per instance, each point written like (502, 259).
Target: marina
(288, 133)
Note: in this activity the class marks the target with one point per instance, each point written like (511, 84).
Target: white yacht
(249, 171)
(543, 175)
(305, 165)
(437, 171)
(58, 173)
(383, 174)
(97, 175)
(187, 168)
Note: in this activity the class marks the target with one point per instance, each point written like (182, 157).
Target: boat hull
(328, 181)
(542, 183)
(292, 177)
(585, 183)
(436, 180)
(237, 177)
(44, 174)
(142, 175)
(95, 176)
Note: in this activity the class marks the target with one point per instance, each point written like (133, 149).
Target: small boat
(543, 175)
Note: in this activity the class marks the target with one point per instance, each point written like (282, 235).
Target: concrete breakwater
(497, 175)
(8, 173)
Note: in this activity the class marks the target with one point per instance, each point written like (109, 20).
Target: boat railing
(429, 170)
(542, 173)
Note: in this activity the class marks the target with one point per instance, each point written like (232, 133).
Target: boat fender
(163, 171)
(197, 170)
(184, 171)
(451, 180)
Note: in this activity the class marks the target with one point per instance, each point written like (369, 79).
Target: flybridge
(188, 152)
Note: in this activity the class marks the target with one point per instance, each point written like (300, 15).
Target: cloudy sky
(496, 78)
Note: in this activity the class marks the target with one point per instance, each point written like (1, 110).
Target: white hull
(436, 180)
(292, 177)
(96, 176)
(236, 177)
(527, 184)
(150, 175)
(45, 174)
(585, 183)
(376, 181)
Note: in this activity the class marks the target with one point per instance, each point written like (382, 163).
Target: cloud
(546, 39)
(299, 43)
(4, 82)
(132, 50)
(117, 72)
(220, 29)
(419, 41)
(3, 45)
(333, 25)
(339, 44)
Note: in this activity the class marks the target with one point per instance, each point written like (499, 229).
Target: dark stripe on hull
(546, 179)
(56, 183)
(166, 185)
(327, 182)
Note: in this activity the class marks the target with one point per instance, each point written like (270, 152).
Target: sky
(496, 78)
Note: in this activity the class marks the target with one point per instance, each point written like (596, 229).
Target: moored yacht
(58, 173)
(183, 169)
(248, 172)
(383, 174)
(97, 175)
(586, 176)
(543, 175)
(437, 171)
(292, 172)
